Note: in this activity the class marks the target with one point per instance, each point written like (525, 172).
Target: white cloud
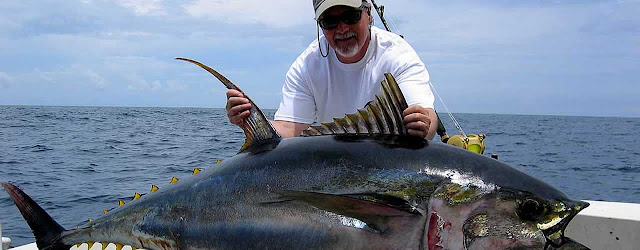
(469, 24)
(175, 86)
(276, 14)
(136, 64)
(7, 24)
(4, 77)
(72, 76)
(138, 84)
(78, 45)
(135, 73)
(98, 81)
(43, 75)
(142, 85)
(144, 7)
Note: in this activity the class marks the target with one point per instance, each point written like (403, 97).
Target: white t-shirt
(325, 88)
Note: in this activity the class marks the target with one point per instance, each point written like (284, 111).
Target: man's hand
(420, 121)
(237, 107)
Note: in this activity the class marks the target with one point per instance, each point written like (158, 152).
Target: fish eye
(531, 209)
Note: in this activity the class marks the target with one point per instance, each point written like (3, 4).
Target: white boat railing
(607, 225)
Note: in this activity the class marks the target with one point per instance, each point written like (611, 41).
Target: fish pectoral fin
(376, 215)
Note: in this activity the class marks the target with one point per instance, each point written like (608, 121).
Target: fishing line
(395, 26)
(455, 122)
(380, 11)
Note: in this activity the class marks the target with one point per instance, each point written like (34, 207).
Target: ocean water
(77, 161)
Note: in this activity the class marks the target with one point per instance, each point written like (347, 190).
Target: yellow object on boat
(473, 142)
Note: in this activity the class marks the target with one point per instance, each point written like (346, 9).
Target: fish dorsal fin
(257, 128)
(382, 116)
(377, 215)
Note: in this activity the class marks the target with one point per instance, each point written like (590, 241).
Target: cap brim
(330, 3)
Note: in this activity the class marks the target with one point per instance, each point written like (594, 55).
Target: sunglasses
(348, 17)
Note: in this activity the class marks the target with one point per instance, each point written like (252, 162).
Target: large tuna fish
(359, 182)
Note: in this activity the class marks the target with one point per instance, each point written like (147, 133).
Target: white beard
(347, 50)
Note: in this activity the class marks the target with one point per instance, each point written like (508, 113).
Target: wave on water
(10, 162)
(114, 147)
(626, 169)
(37, 148)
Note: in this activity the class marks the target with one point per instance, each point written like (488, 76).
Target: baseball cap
(321, 5)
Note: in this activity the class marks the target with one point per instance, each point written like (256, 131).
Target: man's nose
(342, 27)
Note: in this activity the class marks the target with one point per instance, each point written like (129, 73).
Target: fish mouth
(555, 234)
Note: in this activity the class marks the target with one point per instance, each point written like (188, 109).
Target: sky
(486, 56)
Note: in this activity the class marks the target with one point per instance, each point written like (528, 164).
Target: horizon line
(201, 107)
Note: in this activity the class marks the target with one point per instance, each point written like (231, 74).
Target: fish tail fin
(46, 230)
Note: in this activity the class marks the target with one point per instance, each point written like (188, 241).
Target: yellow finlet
(196, 171)
(78, 245)
(90, 219)
(218, 161)
(136, 196)
(120, 203)
(105, 211)
(104, 245)
(174, 180)
(119, 246)
(154, 188)
(90, 244)
(133, 248)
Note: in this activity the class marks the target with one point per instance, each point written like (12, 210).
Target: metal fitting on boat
(5, 241)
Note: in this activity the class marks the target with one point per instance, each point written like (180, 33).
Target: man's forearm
(288, 129)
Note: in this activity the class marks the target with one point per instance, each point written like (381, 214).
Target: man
(342, 70)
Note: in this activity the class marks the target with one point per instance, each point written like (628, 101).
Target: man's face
(350, 41)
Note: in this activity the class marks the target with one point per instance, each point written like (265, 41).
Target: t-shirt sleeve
(298, 104)
(413, 78)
